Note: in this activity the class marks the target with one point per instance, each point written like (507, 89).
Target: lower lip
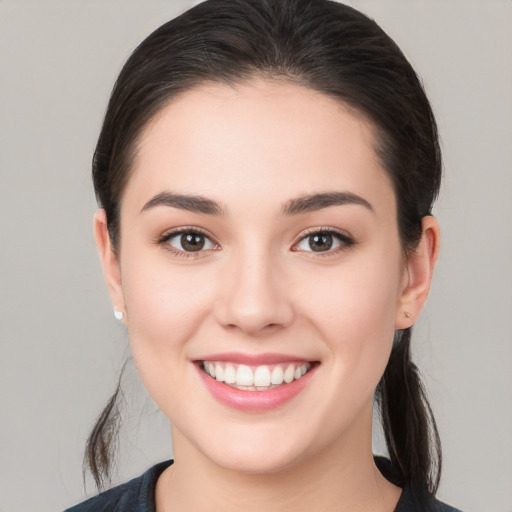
(255, 401)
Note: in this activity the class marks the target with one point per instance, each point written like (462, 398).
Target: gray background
(60, 346)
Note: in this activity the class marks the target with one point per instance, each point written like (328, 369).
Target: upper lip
(253, 359)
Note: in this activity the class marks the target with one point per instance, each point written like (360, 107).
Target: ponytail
(102, 443)
(409, 426)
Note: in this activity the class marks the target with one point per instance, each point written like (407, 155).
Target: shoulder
(409, 501)
(137, 495)
(443, 507)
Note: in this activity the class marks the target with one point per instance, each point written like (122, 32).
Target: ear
(419, 267)
(109, 260)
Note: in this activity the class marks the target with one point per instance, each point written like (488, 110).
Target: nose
(254, 297)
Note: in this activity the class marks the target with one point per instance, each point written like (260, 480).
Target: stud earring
(119, 315)
(407, 314)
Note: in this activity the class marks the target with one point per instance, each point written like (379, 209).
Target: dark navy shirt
(138, 495)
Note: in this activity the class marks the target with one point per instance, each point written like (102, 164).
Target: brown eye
(189, 241)
(192, 242)
(320, 242)
(324, 241)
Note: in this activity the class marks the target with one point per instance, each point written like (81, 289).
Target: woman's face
(258, 241)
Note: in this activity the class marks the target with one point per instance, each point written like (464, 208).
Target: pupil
(192, 242)
(322, 242)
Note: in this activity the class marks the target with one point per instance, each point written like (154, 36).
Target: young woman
(266, 172)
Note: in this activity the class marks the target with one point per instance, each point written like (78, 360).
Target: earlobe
(109, 259)
(418, 273)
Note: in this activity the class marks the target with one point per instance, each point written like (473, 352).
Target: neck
(340, 477)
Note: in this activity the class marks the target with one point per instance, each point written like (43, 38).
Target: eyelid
(346, 240)
(184, 229)
(172, 233)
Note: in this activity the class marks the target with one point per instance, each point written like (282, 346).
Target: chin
(256, 450)
(255, 461)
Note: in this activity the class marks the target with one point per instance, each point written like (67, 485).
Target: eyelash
(164, 241)
(343, 238)
(345, 241)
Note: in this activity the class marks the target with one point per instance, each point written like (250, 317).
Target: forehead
(254, 141)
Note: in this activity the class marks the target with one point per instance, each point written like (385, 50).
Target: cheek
(353, 307)
(164, 303)
(164, 308)
(361, 293)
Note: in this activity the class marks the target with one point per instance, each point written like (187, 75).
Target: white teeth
(262, 376)
(277, 376)
(229, 375)
(289, 374)
(244, 376)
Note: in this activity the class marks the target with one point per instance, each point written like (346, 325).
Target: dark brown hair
(328, 47)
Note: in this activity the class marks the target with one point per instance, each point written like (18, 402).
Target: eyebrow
(296, 206)
(313, 202)
(196, 204)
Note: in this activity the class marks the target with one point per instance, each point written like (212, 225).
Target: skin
(259, 288)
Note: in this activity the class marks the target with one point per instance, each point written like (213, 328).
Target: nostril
(253, 329)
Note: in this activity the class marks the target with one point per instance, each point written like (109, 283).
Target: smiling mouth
(255, 378)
